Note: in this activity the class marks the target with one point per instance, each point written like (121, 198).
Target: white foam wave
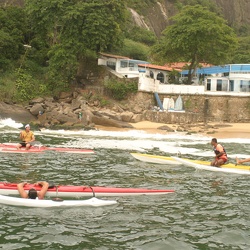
(8, 122)
(132, 140)
(131, 145)
(182, 137)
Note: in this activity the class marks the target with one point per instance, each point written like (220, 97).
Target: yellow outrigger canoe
(198, 164)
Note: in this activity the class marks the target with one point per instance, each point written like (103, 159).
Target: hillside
(156, 16)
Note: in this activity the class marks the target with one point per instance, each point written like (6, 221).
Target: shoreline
(217, 130)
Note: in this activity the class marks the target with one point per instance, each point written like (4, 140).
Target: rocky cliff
(156, 17)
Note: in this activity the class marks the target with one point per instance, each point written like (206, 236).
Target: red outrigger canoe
(11, 148)
(81, 191)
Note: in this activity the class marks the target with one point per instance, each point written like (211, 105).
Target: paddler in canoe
(32, 193)
(220, 154)
(26, 136)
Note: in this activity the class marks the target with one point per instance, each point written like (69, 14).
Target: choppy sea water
(209, 210)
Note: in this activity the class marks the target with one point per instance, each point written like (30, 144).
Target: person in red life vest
(26, 136)
(32, 193)
(220, 154)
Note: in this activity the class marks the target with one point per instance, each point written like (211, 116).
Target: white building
(155, 78)
(120, 66)
(233, 79)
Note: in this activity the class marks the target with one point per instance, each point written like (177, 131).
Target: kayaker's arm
(32, 138)
(22, 136)
(45, 186)
(21, 190)
(220, 154)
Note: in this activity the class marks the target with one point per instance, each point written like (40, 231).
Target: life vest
(216, 151)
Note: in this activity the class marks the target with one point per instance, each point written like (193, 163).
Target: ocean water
(209, 210)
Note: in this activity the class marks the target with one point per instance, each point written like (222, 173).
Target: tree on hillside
(205, 3)
(196, 36)
(242, 54)
(12, 35)
(72, 29)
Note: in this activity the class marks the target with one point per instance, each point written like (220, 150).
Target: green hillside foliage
(197, 35)
(60, 34)
(45, 45)
(140, 5)
(204, 3)
(13, 29)
(119, 89)
(242, 54)
(134, 50)
(141, 35)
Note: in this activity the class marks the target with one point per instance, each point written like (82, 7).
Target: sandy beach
(218, 130)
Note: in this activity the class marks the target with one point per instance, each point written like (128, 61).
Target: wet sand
(223, 130)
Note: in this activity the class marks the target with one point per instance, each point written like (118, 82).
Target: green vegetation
(140, 5)
(134, 50)
(204, 3)
(242, 54)
(141, 35)
(46, 45)
(47, 41)
(101, 99)
(71, 29)
(197, 35)
(119, 89)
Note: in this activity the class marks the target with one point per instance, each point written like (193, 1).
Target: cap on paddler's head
(27, 126)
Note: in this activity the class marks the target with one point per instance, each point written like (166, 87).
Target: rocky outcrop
(80, 110)
(17, 112)
(72, 110)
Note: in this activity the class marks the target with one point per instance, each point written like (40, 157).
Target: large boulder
(36, 100)
(127, 116)
(104, 121)
(69, 118)
(16, 112)
(137, 118)
(108, 114)
(84, 116)
(37, 109)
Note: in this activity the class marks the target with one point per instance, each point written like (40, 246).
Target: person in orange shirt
(220, 154)
(26, 136)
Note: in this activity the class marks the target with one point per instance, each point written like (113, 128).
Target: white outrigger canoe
(158, 159)
(205, 165)
(93, 202)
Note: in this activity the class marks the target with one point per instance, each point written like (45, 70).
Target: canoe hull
(83, 191)
(227, 168)
(158, 159)
(11, 148)
(93, 202)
